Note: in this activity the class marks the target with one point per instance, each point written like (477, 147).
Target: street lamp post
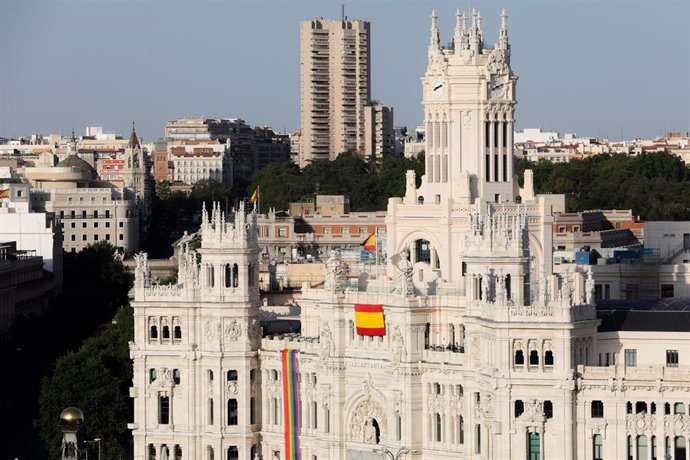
(398, 455)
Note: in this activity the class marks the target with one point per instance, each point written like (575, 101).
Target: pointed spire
(133, 139)
(458, 22)
(434, 40)
(503, 31)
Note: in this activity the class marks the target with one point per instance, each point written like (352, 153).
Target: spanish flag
(370, 243)
(255, 196)
(4, 193)
(369, 319)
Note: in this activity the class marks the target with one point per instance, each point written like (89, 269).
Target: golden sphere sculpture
(71, 419)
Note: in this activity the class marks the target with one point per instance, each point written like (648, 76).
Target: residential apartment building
(379, 135)
(335, 86)
(193, 161)
(249, 148)
(25, 287)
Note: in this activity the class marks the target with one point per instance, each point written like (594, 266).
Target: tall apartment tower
(335, 85)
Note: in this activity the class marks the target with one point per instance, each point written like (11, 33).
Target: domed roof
(74, 161)
(71, 419)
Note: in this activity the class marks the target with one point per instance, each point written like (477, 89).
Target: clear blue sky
(587, 66)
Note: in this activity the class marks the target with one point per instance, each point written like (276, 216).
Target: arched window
(178, 452)
(166, 332)
(232, 412)
(679, 408)
(534, 358)
(519, 358)
(509, 292)
(177, 333)
(176, 376)
(210, 412)
(439, 427)
(152, 374)
(154, 332)
(235, 275)
(597, 409)
(420, 200)
(233, 453)
(548, 409)
(252, 410)
(377, 430)
(422, 251)
(152, 452)
(228, 276)
(548, 358)
(427, 333)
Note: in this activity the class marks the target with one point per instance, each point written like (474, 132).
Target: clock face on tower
(437, 88)
(497, 88)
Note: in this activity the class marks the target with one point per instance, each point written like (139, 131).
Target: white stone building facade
(487, 353)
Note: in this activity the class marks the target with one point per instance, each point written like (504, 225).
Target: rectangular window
(107, 225)
(83, 225)
(74, 225)
(74, 237)
(95, 213)
(95, 237)
(83, 214)
(666, 290)
(83, 237)
(598, 448)
(122, 237)
(630, 357)
(671, 358)
(534, 445)
(107, 213)
(210, 411)
(163, 410)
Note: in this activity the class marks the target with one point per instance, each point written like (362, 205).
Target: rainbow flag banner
(369, 319)
(4, 193)
(291, 404)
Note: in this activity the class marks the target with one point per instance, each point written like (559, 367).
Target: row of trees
(97, 376)
(656, 186)
(368, 184)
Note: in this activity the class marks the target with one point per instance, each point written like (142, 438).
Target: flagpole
(376, 247)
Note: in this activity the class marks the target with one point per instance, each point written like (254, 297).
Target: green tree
(96, 379)
(280, 184)
(654, 185)
(209, 190)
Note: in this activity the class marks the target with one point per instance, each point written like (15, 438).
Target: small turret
(460, 38)
(434, 39)
(503, 31)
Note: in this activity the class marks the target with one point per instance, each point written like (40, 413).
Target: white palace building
(485, 353)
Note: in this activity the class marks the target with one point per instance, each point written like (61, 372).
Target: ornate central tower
(469, 101)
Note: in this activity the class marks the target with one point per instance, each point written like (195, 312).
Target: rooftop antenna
(342, 12)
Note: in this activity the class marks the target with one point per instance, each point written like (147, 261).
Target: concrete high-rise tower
(335, 86)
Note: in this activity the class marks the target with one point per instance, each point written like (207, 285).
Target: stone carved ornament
(398, 351)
